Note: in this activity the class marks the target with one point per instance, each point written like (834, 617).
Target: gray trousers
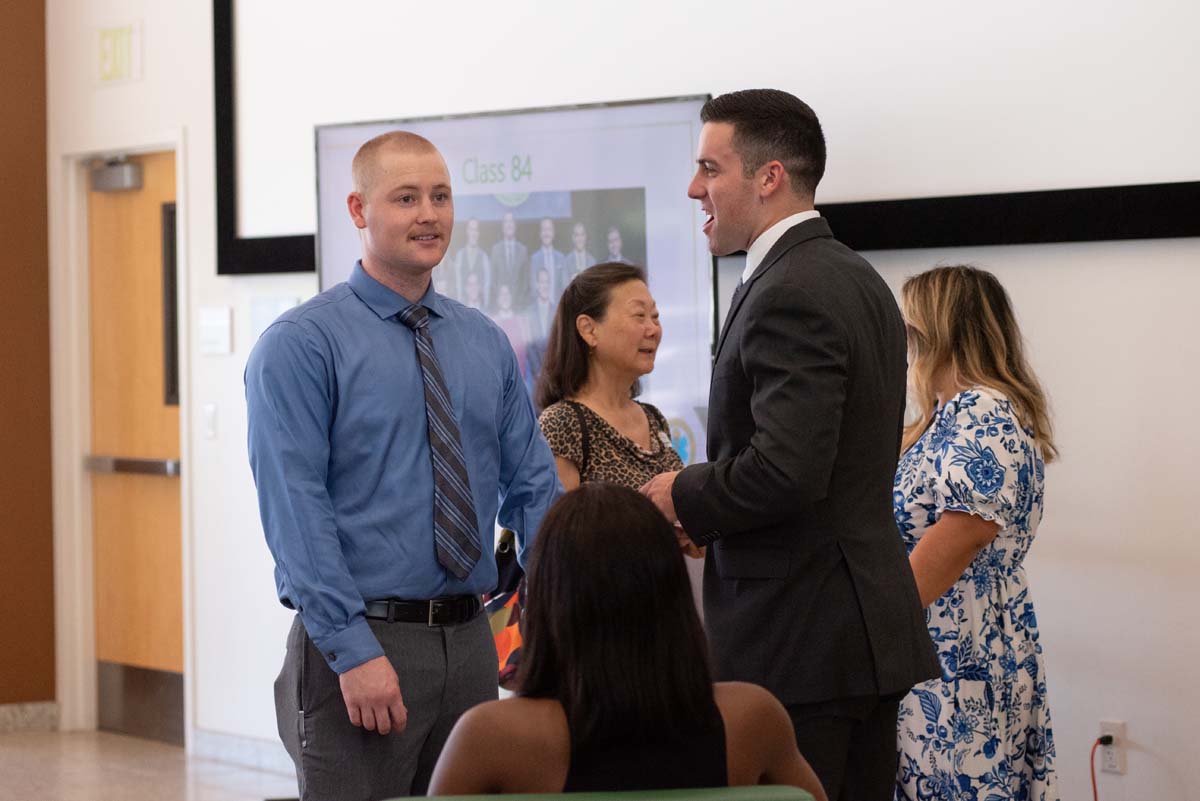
(443, 671)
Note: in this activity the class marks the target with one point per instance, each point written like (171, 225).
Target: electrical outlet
(1112, 757)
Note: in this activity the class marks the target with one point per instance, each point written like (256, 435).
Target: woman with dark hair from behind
(603, 339)
(615, 689)
(968, 500)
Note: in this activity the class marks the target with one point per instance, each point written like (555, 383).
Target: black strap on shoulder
(583, 433)
(659, 420)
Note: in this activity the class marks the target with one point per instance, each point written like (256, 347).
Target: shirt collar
(384, 301)
(767, 239)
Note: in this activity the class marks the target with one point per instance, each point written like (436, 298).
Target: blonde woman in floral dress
(968, 500)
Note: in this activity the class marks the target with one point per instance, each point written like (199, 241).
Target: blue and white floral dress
(981, 732)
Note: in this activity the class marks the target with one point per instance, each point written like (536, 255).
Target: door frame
(70, 400)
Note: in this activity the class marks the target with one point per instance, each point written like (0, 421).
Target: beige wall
(27, 579)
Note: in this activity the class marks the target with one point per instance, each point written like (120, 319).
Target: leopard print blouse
(611, 455)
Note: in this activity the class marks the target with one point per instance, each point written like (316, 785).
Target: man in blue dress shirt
(388, 427)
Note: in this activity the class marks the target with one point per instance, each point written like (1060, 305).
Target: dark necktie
(732, 308)
(455, 526)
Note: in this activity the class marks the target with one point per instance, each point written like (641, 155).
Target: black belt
(436, 612)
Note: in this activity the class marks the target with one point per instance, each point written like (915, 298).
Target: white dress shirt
(767, 239)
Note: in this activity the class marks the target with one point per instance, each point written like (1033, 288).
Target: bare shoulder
(534, 758)
(536, 721)
(760, 743)
(756, 725)
(741, 699)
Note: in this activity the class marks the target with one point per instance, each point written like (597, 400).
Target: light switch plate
(209, 421)
(216, 330)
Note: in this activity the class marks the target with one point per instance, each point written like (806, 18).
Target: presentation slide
(538, 197)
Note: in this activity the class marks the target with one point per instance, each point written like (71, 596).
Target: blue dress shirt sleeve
(290, 399)
(529, 481)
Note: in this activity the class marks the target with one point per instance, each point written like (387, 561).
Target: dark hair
(565, 368)
(772, 125)
(611, 630)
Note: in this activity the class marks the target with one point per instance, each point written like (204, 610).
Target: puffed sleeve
(560, 426)
(982, 462)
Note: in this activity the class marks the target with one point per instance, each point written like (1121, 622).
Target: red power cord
(1104, 740)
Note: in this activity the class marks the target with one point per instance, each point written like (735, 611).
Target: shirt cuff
(349, 647)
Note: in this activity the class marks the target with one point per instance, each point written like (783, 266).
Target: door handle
(122, 464)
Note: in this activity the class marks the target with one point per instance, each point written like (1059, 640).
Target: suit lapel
(738, 295)
(809, 229)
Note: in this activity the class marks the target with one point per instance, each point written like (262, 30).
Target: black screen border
(1097, 214)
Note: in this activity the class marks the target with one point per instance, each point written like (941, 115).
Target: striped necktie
(455, 525)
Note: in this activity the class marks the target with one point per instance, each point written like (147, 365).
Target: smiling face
(405, 212)
(547, 231)
(579, 237)
(726, 195)
(627, 338)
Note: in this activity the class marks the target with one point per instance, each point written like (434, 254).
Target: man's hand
(689, 548)
(372, 695)
(658, 489)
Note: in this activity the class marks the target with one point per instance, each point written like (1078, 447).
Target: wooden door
(135, 426)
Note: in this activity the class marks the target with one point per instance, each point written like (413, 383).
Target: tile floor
(98, 766)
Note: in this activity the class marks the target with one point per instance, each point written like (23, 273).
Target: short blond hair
(365, 167)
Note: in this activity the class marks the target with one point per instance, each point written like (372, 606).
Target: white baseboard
(249, 752)
(38, 716)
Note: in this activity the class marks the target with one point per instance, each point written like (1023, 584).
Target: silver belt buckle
(432, 606)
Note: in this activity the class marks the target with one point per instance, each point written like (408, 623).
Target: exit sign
(120, 54)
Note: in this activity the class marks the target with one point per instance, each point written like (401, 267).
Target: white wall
(236, 627)
(1112, 331)
(926, 99)
(929, 98)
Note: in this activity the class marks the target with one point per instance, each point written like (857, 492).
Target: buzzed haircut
(365, 166)
(769, 124)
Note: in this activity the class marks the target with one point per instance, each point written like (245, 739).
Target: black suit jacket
(807, 587)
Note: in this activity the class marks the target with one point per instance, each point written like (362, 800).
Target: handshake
(658, 490)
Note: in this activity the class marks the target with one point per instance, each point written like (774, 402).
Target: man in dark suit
(807, 588)
(510, 263)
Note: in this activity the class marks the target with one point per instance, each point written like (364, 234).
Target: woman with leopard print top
(604, 338)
